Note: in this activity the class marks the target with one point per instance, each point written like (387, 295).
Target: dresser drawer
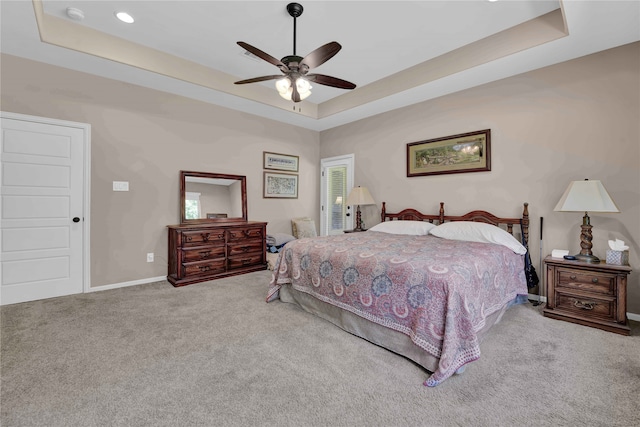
(245, 247)
(201, 253)
(203, 236)
(241, 233)
(586, 305)
(206, 267)
(246, 260)
(601, 283)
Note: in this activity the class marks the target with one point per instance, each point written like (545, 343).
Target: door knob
(76, 219)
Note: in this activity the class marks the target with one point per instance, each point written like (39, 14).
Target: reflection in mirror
(210, 197)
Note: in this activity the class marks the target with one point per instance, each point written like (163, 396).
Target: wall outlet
(150, 257)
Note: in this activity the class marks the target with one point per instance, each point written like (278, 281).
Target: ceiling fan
(295, 85)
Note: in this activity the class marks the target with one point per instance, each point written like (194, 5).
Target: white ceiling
(381, 40)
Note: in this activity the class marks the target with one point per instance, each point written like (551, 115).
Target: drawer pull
(245, 248)
(594, 280)
(204, 254)
(205, 237)
(189, 238)
(584, 305)
(204, 267)
(573, 277)
(246, 261)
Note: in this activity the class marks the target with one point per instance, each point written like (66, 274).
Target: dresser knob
(594, 280)
(573, 277)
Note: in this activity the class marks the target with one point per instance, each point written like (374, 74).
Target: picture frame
(465, 152)
(216, 215)
(278, 185)
(282, 162)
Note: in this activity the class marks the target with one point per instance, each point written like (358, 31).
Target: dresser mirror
(212, 197)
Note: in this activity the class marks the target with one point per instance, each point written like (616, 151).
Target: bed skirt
(389, 339)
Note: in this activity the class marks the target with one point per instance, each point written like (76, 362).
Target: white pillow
(478, 232)
(414, 228)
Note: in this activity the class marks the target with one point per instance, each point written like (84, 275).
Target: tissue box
(617, 257)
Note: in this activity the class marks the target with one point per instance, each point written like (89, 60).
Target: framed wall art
(281, 162)
(466, 152)
(280, 185)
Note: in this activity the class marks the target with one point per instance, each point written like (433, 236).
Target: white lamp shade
(586, 196)
(360, 196)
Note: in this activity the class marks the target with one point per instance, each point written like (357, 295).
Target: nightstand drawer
(585, 304)
(586, 281)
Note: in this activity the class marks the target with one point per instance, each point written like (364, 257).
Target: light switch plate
(120, 186)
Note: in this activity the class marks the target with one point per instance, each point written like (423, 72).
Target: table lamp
(586, 196)
(359, 196)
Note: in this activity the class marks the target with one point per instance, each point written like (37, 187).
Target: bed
(415, 284)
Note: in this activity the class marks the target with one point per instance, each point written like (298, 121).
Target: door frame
(86, 192)
(350, 161)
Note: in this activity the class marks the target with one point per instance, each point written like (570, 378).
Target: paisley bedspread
(436, 291)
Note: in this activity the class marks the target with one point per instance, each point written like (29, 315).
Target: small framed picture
(280, 185)
(281, 162)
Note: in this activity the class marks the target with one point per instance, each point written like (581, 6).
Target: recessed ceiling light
(125, 17)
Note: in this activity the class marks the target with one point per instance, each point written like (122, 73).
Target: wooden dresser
(206, 251)
(589, 294)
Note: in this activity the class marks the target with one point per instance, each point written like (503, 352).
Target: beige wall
(146, 137)
(571, 121)
(566, 122)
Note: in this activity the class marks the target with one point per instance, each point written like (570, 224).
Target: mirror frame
(243, 184)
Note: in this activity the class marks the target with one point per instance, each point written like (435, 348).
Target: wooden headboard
(477, 216)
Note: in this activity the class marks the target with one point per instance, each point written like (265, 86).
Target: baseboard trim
(534, 297)
(125, 284)
(630, 316)
(633, 316)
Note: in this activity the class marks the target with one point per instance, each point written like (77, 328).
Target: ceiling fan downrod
(295, 10)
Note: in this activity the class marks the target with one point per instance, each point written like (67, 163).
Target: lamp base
(591, 259)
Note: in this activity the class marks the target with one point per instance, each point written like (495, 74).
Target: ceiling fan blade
(330, 81)
(321, 55)
(258, 79)
(263, 55)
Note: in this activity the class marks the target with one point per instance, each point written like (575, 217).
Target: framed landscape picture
(466, 152)
(280, 185)
(282, 162)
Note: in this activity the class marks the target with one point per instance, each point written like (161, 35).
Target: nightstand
(354, 231)
(588, 294)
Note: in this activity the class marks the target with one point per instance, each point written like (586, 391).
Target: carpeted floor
(215, 354)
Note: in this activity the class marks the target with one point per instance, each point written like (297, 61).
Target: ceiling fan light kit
(295, 85)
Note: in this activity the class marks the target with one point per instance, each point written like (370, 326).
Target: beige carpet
(215, 354)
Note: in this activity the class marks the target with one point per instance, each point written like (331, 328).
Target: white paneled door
(42, 207)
